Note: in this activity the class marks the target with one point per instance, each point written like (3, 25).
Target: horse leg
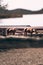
(31, 33)
(14, 32)
(25, 33)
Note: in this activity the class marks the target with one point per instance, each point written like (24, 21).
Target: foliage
(3, 6)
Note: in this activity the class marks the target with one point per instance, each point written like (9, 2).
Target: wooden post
(5, 31)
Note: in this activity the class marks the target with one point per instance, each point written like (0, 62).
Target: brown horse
(28, 30)
(11, 31)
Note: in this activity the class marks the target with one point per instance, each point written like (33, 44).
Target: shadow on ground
(17, 43)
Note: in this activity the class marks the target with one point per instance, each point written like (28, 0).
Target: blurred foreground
(21, 51)
(26, 42)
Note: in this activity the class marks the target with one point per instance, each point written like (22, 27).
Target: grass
(6, 43)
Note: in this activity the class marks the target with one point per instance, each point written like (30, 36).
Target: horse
(11, 31)
(28, 30)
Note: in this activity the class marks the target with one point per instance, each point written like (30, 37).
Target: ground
(22, 56)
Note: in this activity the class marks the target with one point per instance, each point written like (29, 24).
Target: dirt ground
(22, 56)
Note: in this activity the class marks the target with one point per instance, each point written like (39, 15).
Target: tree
(0, 3)
(4, 6)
